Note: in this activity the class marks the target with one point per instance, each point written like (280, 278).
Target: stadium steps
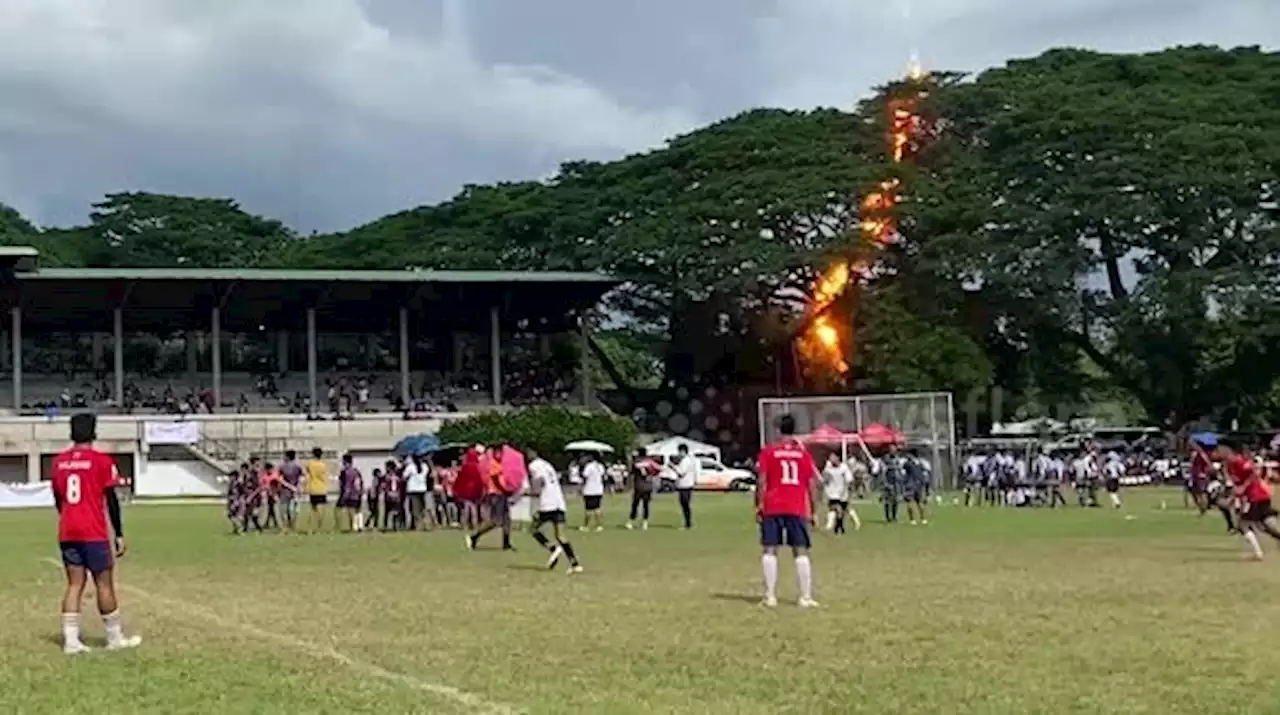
(223, 466)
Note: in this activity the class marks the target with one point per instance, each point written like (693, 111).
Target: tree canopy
(1081, 227)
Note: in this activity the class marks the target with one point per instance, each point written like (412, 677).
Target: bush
(546, 429)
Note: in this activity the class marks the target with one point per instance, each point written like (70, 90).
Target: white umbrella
(588, 445)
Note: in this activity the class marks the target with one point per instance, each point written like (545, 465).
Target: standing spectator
(351, 493)
(643, 473)
(317, 473)
(686, 468)
(271, 488)
(291, 480)
(417, 486)
(592, 493)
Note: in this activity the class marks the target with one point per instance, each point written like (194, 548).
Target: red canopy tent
(879, 435)
(831, 436)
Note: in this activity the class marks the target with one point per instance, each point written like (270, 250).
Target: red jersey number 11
(789, 472)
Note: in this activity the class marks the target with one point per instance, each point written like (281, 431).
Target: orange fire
(822, 345)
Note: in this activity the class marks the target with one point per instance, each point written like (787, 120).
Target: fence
(926, 420)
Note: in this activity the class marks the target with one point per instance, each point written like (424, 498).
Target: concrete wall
(33, 439)
(27, 444)
(193, 478)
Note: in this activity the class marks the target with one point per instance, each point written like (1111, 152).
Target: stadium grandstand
(201, 344)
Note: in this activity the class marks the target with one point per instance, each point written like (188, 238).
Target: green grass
(983, 611)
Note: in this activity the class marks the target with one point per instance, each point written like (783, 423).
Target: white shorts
(522, 509)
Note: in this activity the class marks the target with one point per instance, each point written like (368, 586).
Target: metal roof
(281, 275)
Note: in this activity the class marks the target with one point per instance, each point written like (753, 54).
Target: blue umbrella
(1205, 439)
(416, 444)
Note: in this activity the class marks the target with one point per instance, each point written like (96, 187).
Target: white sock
(853, 514)
(1115, 500)
(769, 562)
(804, 574)
(1252, 539)
(112, 622)
(831, 520)
(359, 521)
(71, 628)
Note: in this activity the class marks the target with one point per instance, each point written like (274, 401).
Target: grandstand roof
(279, 274)
(173, 299)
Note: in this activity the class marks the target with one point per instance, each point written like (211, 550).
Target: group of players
(473, 493)
(788, 492)
(1226, 476)
(998, 478)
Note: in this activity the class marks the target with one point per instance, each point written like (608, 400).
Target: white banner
(21, 496)
(187, 432)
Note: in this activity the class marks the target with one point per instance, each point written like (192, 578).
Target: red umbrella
(877, 434)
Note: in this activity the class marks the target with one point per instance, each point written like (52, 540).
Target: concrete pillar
(282, 351)
(99, 351)
(193, 353)
(459, 353)
(34, 473)
(404, 354)
(584, 361)
(311, 356)
(15, 336)
(215, 353)
(495, 354)
(117, 353)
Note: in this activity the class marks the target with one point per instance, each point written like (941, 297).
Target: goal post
(925, 419)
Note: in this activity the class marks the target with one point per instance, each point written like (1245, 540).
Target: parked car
(712, 476)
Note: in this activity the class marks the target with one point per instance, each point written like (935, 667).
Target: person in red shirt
(1207, 488)
(1256, 512)
(84, 484)
(1198, 477)
(785, 499)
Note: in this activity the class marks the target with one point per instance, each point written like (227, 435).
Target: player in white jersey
(1112, 471)
(1082, 476)
(972, 473)
(837, 482)
(544, 486)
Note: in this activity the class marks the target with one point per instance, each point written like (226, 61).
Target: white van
(713, 475)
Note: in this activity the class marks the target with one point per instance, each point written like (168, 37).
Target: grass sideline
(983, 611)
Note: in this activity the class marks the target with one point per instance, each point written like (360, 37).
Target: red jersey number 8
(73, 489)
(790, 472)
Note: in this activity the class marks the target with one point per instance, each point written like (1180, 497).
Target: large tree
(1124, 205)
(154, 230)
(722, 228)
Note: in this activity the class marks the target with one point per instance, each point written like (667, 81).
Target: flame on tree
(827, 339)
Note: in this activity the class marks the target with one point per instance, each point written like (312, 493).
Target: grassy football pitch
(983, 611)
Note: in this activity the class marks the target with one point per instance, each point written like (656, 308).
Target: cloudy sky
(328, 113)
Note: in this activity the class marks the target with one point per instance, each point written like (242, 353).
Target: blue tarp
(417, 444)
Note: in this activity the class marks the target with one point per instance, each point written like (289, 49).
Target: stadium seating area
(337, 392)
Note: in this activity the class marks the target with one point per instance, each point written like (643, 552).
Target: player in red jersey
(785, 499)
(1257, 512)
(84, 482)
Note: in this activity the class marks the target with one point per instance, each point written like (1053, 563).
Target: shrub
(546, 429)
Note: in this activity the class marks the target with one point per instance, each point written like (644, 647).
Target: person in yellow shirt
(317, 486)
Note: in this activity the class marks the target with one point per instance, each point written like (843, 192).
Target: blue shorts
(792, 531)
(95, 556)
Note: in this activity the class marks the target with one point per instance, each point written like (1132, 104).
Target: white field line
(446, 692)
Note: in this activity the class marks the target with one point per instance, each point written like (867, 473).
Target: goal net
(925, 419)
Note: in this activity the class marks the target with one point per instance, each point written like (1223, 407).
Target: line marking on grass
(447, 692)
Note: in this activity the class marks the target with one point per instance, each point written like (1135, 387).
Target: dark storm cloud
(326, 113)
